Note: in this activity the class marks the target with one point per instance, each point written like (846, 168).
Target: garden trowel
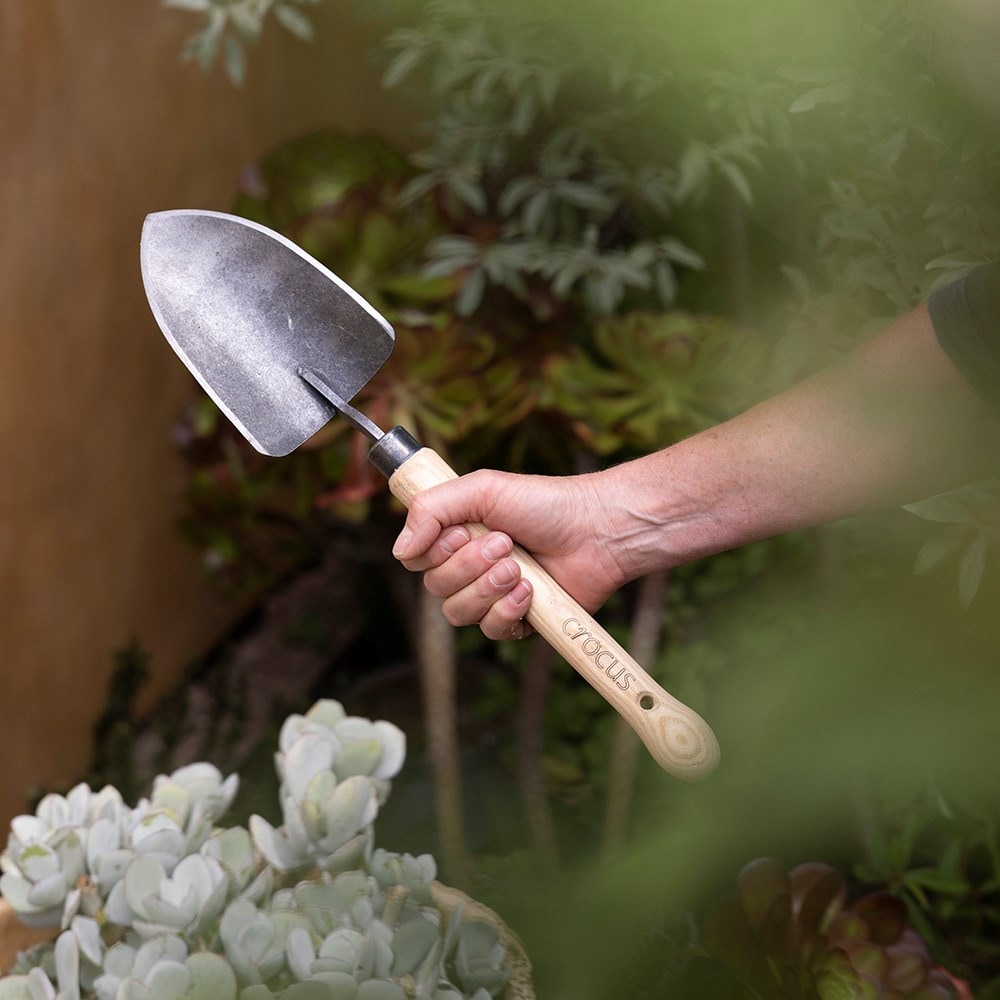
(282, 345)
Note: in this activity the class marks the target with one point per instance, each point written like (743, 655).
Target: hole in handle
(646, 702)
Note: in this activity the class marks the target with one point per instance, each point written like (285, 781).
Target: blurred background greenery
(610, 227)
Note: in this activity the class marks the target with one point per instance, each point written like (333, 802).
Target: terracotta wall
(100, 124)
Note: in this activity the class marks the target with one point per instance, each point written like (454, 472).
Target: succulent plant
(51, 855)
(654, 378)
(334, 771)
(196, 792)
(67, 969)
(793, 935)
(176, 909)
(154, 902)
(162, 969)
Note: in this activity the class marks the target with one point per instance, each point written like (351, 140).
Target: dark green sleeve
(966, 318)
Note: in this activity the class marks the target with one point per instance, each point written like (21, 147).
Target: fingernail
(497, 547)
(502, 574)
(402, 542)
(520, 593)
(454, 540)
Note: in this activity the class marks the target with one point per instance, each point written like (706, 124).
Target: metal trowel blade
(245, 309)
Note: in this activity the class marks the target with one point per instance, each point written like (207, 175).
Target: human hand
(562, 521)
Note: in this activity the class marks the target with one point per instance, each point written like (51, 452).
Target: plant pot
(520, 986)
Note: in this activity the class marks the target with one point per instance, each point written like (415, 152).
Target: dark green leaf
(936, 880)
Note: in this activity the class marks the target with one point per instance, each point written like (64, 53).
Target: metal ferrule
(392, 450)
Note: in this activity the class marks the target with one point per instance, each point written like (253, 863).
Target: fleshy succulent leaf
(392, 754)
(306, 757)
(211, 978)
(142, 881)
(412, 943)
(375, 989)
(274, 845)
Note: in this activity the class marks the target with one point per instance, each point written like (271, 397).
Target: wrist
(676, 506)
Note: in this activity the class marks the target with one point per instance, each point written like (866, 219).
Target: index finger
(444, 546)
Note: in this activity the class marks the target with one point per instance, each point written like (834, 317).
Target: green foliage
(651, 379)
(899, 167)
(940, 855)
(969, 531)
(533, 153)
(228, 26)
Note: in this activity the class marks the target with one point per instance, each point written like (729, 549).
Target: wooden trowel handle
(678, 738)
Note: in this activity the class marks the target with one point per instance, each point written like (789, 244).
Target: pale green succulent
(159, 904)
(162, 969)
(414, 873)
(334, 771)
(350, 899)
(327, 825)
(253, 940)
(70, 855)
(477, 960)
(326, 737)
(81, 807)
(41, 868)
(186, 901)
(234, 850)
(64, 971)
(51, 855)
(196, 793)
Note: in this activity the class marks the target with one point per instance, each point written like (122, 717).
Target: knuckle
(452, 616)
(434, 586)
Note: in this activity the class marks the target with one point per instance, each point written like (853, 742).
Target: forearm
(891, 423)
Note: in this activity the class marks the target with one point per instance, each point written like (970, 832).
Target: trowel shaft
(371, 430)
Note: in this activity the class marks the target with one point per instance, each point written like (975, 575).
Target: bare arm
(892, 422)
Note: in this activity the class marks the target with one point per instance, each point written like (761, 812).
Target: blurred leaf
(738, 179)
(939, 547)
(971, 570)
(294, 21)
(236, 62)
(936, 880)
(761, 883)
(693, 170)
(836, 93)
(471, 292)
(941, 509)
